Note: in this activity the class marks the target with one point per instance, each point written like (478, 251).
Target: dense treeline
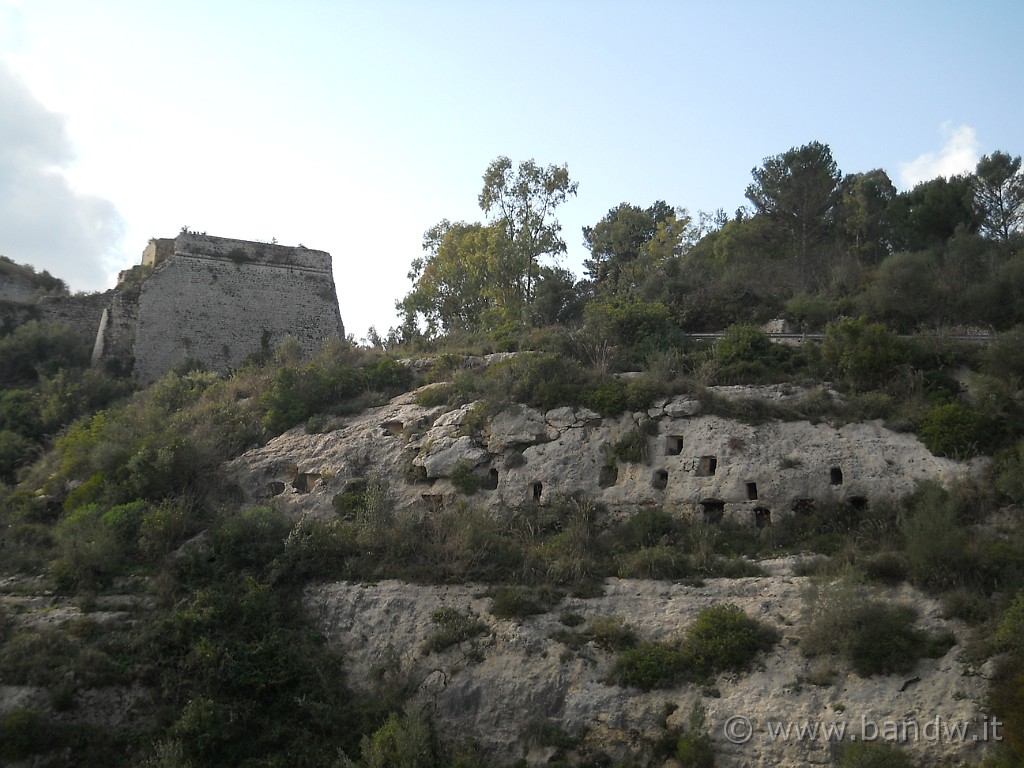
(813, 245)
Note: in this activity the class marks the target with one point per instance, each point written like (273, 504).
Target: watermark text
(740, 730)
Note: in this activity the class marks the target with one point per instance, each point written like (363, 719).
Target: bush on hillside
(953, 430)
(864, 355)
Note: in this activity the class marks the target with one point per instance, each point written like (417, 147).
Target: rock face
(498, 688)
(493, 688)
(695, 463)
(219, 300)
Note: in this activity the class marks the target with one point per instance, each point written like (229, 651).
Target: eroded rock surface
(490, 689)
(695, 462)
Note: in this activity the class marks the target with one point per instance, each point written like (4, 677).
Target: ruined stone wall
(16, 288)
(159, 249)
(115, 335)
(81, 311)
(218, 301)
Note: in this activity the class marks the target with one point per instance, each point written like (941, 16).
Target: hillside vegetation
(111, 492)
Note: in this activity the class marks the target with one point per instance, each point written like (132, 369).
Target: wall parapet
(252, 252)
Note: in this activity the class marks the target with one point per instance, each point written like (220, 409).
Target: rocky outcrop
(492, 689)
(692, 463)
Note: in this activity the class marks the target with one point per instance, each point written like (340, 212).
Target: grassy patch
(453, 628)
(519, 602)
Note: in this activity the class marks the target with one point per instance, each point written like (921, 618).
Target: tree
(522, 203)
(483, 275)
(798, 191)
(558, 298)
(630, 242)
(616, 240)
(457, 279)
(931, 212)
(999, 195)
(864, 214)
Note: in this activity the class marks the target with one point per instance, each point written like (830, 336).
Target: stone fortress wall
(82, 312)
(217, 301)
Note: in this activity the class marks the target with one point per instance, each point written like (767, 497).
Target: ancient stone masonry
(217, 301)
(82, 311)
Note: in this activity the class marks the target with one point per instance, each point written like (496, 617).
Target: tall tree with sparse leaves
(522, 202)
(477, 275)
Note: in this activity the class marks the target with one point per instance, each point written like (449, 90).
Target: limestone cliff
(695, 463)
(493, 689)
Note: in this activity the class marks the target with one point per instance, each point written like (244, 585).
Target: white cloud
(959, 154)
(44, 220)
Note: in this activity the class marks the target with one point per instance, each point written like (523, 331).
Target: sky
(353, 127)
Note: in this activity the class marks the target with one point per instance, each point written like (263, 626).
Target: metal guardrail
(820, 336)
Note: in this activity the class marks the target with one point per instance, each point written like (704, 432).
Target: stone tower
(217, 301)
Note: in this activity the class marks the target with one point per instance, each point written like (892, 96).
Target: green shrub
(812, 312)
(1005, 356)
(967, 604)
(250, 539)
(940, 554)
(90, 550)
(1006, 702)
(1008, 471)
(650, 526)
(1010, 632)
(723, 638)
(887, 567)
(648, 666)
(15, 451)
(640, 393)
(296, 393)
(403, 740)
(631, 325)
(465, 479)
(633, 447)
(873, 754)
(694, 750)
(352, 498)
(388, 375)
(520, 602)
(164, 527)
(433, 396)
(607, 397)
(656, 562)
(24, 732)
(37, 350)
(570, 555)
(865, 355)
(611, 633)
(877, 638)
(315, 549)
(953, 430)
(884, 640)
(543, 381)
(742, 344)
(571, 619)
